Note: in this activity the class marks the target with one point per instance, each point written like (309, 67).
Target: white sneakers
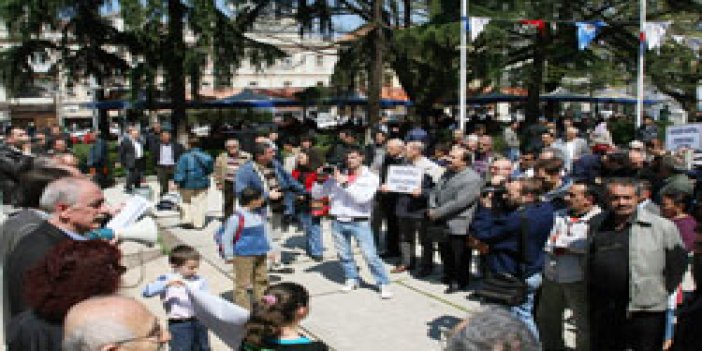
(352, 284)
(385, 292)
(349, 286)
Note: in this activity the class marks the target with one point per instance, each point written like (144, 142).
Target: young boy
(247, 247)
(187, 333)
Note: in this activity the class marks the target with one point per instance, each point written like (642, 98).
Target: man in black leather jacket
(14, 160)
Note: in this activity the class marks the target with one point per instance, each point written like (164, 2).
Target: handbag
(504, 288)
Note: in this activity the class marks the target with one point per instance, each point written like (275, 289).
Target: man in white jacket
(351, 195)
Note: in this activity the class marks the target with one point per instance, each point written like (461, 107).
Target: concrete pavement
(413, 320)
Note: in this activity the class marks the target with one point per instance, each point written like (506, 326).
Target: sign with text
(404, 179)
(684, 136)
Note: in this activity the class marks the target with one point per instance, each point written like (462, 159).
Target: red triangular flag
(539, 24)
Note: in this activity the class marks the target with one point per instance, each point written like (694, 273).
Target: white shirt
(166, 155)
(138, 149)
(352, 201)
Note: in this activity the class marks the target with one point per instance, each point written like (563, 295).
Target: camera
(327, 170)
(498, 197)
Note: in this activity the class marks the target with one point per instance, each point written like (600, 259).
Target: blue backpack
(220, 233)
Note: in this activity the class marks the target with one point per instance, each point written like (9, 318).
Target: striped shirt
(233, 164)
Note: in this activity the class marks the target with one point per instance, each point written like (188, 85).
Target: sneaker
(351, 285)
(385, 292)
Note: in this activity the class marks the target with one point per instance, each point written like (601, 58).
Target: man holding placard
(412, 206)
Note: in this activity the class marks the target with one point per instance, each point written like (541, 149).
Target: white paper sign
(404, 179)
(684, 136)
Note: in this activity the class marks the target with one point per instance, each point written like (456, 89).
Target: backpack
(220, 233)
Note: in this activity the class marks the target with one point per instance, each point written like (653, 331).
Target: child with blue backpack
(245, 244)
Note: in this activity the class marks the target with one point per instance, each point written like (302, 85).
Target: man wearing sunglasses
(113, 323)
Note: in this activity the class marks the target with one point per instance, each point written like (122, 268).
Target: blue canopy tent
(358, 100)
(247, 98)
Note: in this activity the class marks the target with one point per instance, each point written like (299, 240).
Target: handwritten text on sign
(684, 136)
(404, 179)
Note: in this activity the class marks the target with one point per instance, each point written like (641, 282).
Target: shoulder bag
(504, 288)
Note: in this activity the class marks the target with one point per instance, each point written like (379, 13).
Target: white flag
(655, 32)
(477, 26)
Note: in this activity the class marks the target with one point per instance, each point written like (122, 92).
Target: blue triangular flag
(587, 31)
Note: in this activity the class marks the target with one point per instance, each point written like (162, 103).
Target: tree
(540, 59)
(217, 36)
(80, 51)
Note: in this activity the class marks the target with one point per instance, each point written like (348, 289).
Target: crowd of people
(563, 216)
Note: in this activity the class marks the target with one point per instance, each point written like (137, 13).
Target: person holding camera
(310, 211)
(452, 203)
(502, 230)
(351, 193)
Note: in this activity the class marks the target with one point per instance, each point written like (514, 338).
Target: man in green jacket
(636, 259)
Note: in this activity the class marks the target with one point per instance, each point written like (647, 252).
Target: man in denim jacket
(192, 174)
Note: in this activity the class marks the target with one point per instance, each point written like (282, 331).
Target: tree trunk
(375, 79)
(175, 65)
(103, 114)
(536, 77)
(407, 4)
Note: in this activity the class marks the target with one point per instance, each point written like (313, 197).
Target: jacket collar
(644, 217)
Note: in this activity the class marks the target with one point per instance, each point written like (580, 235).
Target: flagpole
(462, 75)
(642, 52)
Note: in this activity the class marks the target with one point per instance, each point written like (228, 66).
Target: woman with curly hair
(274, 321)
(70, 273)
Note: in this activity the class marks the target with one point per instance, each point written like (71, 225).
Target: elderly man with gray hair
(76, 206)
(386, 201)
(112, 323)
(494, 328)
(411, 212)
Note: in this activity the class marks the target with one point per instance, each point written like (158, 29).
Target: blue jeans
(525, 311)
(188, 336)
(313, 233)
(342, 233)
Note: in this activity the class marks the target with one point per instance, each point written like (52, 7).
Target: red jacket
(317, 207)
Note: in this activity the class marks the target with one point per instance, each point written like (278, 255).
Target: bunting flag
(587, 31)
(477, 26)
(538, 24)
(655, 33)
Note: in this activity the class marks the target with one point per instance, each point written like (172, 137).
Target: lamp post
(464, 56)
(642, 52)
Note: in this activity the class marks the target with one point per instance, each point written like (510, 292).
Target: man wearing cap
(672, 170)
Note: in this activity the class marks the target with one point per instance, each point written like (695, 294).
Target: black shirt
(609, 261)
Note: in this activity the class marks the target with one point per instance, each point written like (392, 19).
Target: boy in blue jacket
(246, 245)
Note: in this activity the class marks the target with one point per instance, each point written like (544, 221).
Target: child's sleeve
(230, 228)
(156, 287)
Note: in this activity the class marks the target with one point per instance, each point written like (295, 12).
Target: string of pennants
(653, 36)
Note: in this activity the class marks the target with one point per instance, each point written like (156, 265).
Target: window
(320, 83)
(253, 83)
(287, 84)
(320, 60)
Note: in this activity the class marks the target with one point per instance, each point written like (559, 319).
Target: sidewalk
(359, 321)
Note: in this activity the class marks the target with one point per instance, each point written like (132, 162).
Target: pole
(465, 28)
(642, 52)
